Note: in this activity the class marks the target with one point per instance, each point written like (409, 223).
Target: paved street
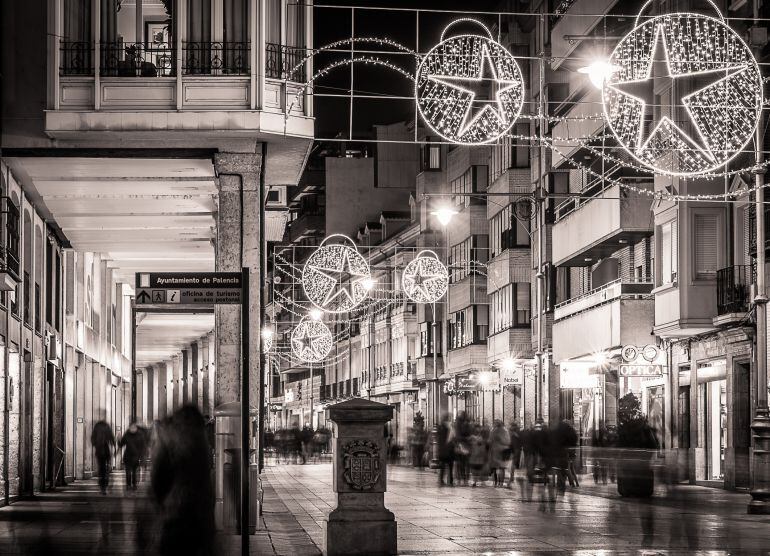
(463, 520)
(431, 520)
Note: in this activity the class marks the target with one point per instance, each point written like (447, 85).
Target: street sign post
(188, 288)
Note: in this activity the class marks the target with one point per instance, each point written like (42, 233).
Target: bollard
(360, 524)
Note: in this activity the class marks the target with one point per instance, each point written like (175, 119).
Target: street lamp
(316, 314)
(598, 72)
(444, 215)
(368, 283)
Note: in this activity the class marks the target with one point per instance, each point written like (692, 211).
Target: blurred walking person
(478, 457)
(103, 442)
(134, 446)
(499, 452)
(516, 445)
(182, 485)
(446, 451)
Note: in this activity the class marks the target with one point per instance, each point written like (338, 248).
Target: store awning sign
(626, 370)
(644, 361)
(577, 375)
(513, 376)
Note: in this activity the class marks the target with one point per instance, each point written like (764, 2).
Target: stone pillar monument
(360, 524)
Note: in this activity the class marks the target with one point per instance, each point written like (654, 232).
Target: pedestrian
(133, 444)
(463, 429)
(499, 452)
(446, 451)
(478, 456)
(306, 439)
(516, 444)
(182, 485)
(103, 442)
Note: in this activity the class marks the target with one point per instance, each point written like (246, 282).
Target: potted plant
(637, 444)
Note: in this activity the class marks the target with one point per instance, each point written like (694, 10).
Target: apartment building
(134, 137)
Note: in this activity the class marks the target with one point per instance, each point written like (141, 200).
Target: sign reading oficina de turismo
(187, 288)
(645, 362)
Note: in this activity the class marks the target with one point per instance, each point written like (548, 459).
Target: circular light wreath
(311, 340)
(444, 98)
(425, 278)
(335, 276)
(718, 113)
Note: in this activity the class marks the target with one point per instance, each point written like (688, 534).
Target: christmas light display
(336, 278)
(714, 84)
(267, 339)
(469, 88)
(425, 278)
(311, 340)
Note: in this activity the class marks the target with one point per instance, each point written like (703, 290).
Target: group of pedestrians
(471, 454)
(298, 445)
(179, 518)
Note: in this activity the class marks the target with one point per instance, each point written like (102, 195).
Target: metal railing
(76, 58)
(733, 289)
(216, 58)
(9, 254)
(281, 61)
(602, 294)
(119, 59)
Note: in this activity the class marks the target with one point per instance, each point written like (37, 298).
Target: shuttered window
(706, 244)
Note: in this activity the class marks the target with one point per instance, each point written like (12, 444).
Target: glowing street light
(598, 71)
(316, 314)
(267, 333)
(368, 283)
(508, 364)
(444, 215)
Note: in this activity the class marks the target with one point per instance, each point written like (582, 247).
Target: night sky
(334, 23)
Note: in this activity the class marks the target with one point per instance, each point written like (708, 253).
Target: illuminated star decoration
(311, 341)
(334, 278)
(425, 279)
(469, 88)
(479, 88)
(714, 87)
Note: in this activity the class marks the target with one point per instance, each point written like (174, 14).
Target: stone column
(162, 388)
(194, 372)
(238, 245)
(360, 524)
(140, 388)
(152, 395)
(185, 376)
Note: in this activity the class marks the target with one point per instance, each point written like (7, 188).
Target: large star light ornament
(685, 94)
(336, 278)
(469, 88)
(311, 340)
(425, 278)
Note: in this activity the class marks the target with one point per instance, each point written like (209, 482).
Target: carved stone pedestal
(360, 524)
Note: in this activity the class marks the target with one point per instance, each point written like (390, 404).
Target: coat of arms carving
(361, 460)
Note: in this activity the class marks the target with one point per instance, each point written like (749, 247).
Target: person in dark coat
(182, 486)
(103, 442)
(446, 450)
(134, 446)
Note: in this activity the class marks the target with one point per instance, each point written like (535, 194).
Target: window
(466, 256)
(468, 326)
(669, 252)
(431, 157)
(509, 307)
(38, 309)
(706, 245)
(426, 341)
(509, 152)
(27, 300)
(473, 180)
(506, 232)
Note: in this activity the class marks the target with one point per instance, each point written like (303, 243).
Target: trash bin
(232, 498)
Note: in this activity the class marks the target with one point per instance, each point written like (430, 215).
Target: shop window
(431, 157)
(683, 414)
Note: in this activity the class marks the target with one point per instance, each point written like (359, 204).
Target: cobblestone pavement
(588, 520)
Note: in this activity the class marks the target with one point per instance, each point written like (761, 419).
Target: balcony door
(217, 37)
(137, 38)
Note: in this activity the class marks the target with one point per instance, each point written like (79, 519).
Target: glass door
(716, 428)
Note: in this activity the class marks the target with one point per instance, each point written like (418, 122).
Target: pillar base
(349, 533)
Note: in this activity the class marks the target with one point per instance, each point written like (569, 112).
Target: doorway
(26, 476)
(741, 424)
(714, 400)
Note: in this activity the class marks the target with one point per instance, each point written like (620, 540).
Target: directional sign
(172, 288)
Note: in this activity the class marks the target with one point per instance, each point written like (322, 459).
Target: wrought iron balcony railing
(9, 253)
(216, 58)
(76, 58)
(733, 289)
(119, 59)
(281, 62)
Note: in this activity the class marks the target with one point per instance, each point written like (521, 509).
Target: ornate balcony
(733, 293)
